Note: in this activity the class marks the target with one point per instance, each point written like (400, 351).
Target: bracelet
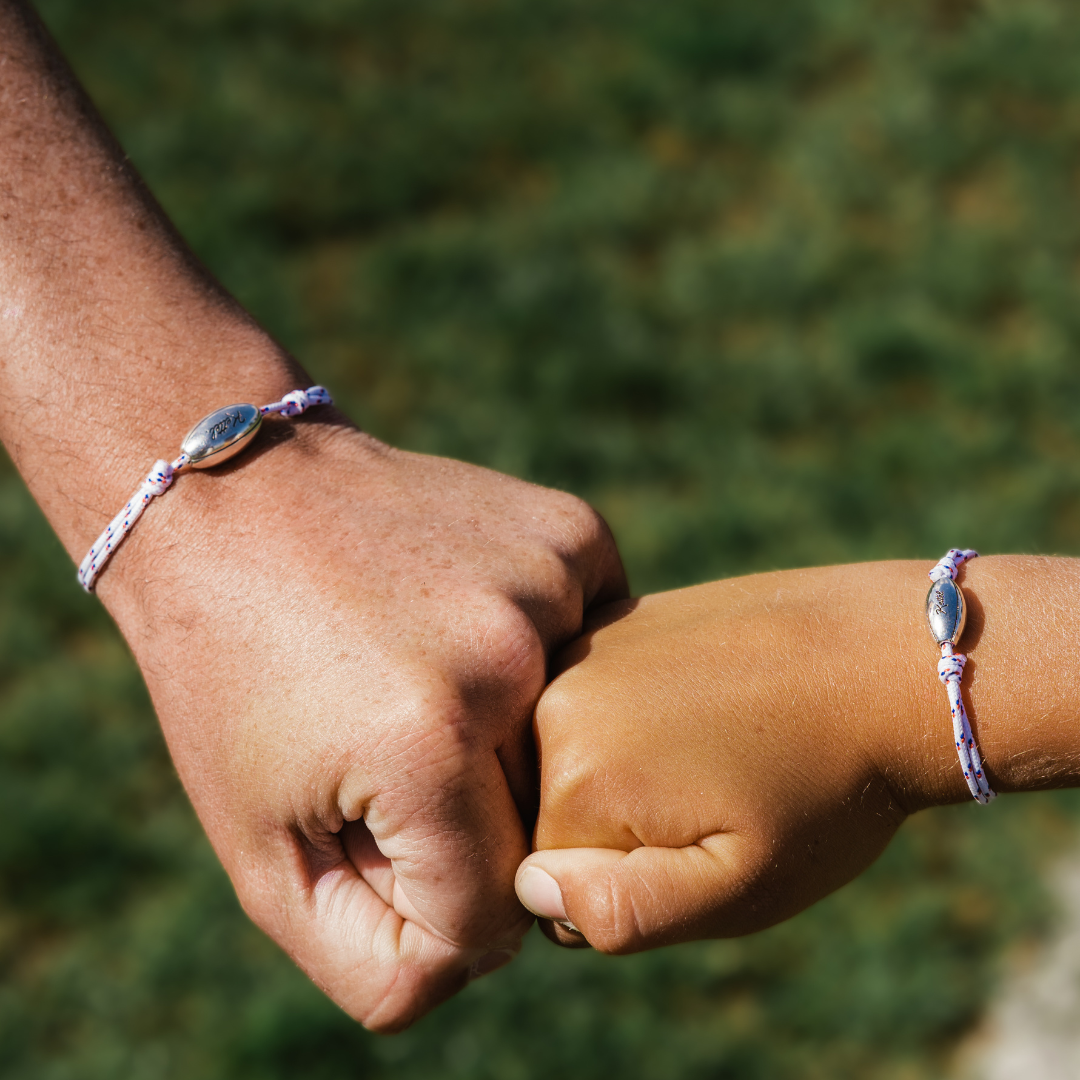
(214, 439)
(947, 613)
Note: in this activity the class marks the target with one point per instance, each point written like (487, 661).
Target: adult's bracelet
(214, 439)
(947, 613)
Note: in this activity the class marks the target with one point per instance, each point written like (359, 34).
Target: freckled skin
(344, 643)
(717, 758)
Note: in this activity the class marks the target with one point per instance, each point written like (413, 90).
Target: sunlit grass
(771, 285)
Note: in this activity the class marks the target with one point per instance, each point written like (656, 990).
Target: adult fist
(344, 644)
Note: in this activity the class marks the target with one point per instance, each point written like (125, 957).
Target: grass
(771, 286)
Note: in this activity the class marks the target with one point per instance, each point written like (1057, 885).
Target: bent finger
(455, 840)
(382, 969)
(347, 924)
(623, 902)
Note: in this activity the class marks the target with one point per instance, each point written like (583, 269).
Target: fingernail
(541, 894)
(490, 962)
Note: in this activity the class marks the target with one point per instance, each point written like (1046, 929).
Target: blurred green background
(769, 284)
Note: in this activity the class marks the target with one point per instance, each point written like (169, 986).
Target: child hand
(713, 760)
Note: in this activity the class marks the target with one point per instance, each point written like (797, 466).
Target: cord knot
(295, 403)
(950, 562)
(161, 476)
(951, 667)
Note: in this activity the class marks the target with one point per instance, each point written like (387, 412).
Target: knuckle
(557, 707)
(591, 557)
(573, 739)
(568, 799)
(577, 511)
(573, 523)
(555, 579)
(567, 772)
(507, 639)
(420, 708)
(590, 528)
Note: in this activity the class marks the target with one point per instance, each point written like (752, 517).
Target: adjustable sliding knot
(160, 478)
(293, 404)
(950, 562)
(950, 668)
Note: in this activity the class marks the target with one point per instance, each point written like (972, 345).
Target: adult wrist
(216, 532)
(82, 441)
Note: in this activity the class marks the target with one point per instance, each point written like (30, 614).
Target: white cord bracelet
(947, 613)
(211, 441)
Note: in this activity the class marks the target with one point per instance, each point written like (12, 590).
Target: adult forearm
(343, 642)
(112, 337)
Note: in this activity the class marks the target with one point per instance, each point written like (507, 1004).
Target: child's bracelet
(211, 441)
(946, 612)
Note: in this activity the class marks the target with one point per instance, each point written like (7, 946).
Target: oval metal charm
(215, 438)
(946, 611)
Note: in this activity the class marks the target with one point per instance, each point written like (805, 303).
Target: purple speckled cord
(950, 668)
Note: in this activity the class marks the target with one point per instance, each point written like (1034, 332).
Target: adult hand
(344, 644)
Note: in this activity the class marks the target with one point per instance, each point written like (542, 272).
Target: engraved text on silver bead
(216, 437)
(946, 611)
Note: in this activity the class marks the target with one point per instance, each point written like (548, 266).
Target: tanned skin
(343, 642)
(718, 758)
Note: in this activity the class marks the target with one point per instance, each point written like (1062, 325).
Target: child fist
(713, 760)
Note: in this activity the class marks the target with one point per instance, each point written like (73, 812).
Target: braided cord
(950, 669)
(160, 480)
(299, 401)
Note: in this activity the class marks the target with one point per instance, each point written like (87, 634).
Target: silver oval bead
(946, 611)
(215, 438)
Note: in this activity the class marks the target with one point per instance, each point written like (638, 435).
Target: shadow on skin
(565, 659)
(973, 631)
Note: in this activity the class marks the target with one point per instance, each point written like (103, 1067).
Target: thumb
(623, 902)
